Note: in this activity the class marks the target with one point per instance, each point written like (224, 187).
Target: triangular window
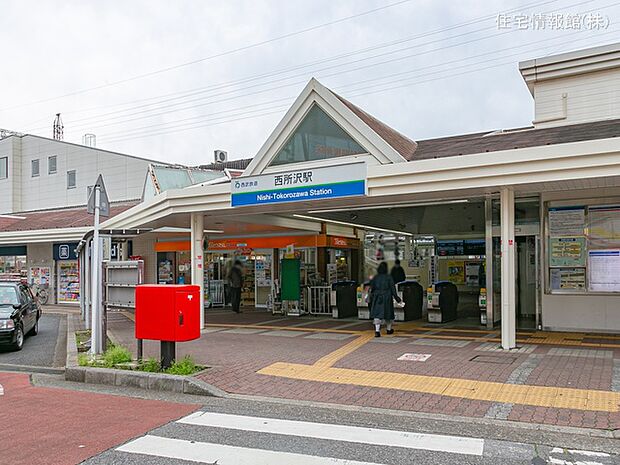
(318, 137)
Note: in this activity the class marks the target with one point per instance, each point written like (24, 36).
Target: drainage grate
(497, 359)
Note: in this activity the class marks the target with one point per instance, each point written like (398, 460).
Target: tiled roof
(74, 217)
(231, 165)
(514, 139)
(402, 144)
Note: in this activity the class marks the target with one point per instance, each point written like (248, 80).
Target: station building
(531, 215)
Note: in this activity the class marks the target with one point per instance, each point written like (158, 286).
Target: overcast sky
(427, 68)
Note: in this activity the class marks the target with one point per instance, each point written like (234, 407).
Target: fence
(318, 300)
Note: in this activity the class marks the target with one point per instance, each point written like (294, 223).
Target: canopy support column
(197, 237)
(508, 278)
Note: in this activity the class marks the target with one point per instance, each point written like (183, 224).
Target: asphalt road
(242, 432)
(40, 350)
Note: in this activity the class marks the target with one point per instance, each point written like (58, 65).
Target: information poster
(567, 221)
(568, 279)
(604, 227)
(604, 270)
(456, 271)
(567, 251)
(472, 274)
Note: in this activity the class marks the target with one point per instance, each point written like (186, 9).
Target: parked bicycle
(41, 294)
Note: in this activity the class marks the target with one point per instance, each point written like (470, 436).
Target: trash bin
(346, 299)
(413, 297)
(443, 302)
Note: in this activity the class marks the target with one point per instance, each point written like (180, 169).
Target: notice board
(604, 266)
(291, 278)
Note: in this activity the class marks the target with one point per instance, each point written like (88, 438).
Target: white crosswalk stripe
(381, 437)
(204, 452)
(209, 453)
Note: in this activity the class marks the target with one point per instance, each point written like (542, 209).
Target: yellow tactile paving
(331, 358)
(540, 396)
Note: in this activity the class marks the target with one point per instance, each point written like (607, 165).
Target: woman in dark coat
(382, 294)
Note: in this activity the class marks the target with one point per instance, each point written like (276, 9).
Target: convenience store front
(323, 259)
(327, 156)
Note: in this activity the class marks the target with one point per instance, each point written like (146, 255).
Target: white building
(43, 191)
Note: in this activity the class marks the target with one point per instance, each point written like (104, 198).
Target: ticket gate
(442, 302)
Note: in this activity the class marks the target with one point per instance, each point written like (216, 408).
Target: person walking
(235, 279)
(382, 295)
(397, 272)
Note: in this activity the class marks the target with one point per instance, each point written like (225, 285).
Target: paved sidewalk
(552, 378)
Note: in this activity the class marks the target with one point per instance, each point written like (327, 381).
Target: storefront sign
(343, 242)
(293, 186)
(13, 251)
(65, 251)
(567, 251)
(567, 221)
(604, 270)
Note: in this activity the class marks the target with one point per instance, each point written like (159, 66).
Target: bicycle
(41, 294)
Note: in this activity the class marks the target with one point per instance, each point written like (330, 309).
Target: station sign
(347, 180)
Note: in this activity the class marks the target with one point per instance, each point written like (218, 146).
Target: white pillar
(197, 227)
(488, 214)
(507, 201)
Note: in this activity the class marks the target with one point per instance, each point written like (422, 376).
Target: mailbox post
(167, 313)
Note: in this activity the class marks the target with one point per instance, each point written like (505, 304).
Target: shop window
(71, 179)
(583, 248)
(52, 164)
(34, 168)
(318, 137)
(4, 167)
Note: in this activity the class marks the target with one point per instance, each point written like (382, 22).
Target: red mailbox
(168, 312)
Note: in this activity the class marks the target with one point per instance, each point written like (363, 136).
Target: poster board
(568, 279)
(604, 231)
(456, 271)
(567, 251)
(291, 278)
(604, 267)
(567, 221)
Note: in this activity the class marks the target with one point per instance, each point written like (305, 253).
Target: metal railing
(216, 293)
(318, 300)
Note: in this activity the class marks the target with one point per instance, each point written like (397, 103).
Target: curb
(134, 379)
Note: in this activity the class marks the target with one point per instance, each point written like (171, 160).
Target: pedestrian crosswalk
(223, 438)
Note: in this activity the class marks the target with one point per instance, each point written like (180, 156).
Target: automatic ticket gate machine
(442, 302)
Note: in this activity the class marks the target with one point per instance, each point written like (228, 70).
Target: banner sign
(299, 185)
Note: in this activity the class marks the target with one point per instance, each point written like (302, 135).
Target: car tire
(35, 329)
(19, 338)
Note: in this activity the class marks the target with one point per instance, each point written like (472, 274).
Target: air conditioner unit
(221, 156)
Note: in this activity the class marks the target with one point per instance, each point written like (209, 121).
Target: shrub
(83, 360)
(185, 366)
(116, 354)
(151, 365)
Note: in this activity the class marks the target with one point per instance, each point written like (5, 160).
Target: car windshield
(8, 295)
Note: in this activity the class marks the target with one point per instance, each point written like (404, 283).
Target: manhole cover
(498, 359)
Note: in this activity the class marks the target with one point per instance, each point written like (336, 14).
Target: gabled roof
(381, 142)
(402, 144)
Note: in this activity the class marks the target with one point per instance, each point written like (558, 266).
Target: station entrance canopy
(327, 154)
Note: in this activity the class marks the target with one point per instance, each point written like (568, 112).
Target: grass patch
(151, 366)
(185, 366)
(115, 355)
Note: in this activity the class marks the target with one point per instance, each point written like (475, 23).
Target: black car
(19, 314)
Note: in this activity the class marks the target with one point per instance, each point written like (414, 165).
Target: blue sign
(295, 186)
(296, 194)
